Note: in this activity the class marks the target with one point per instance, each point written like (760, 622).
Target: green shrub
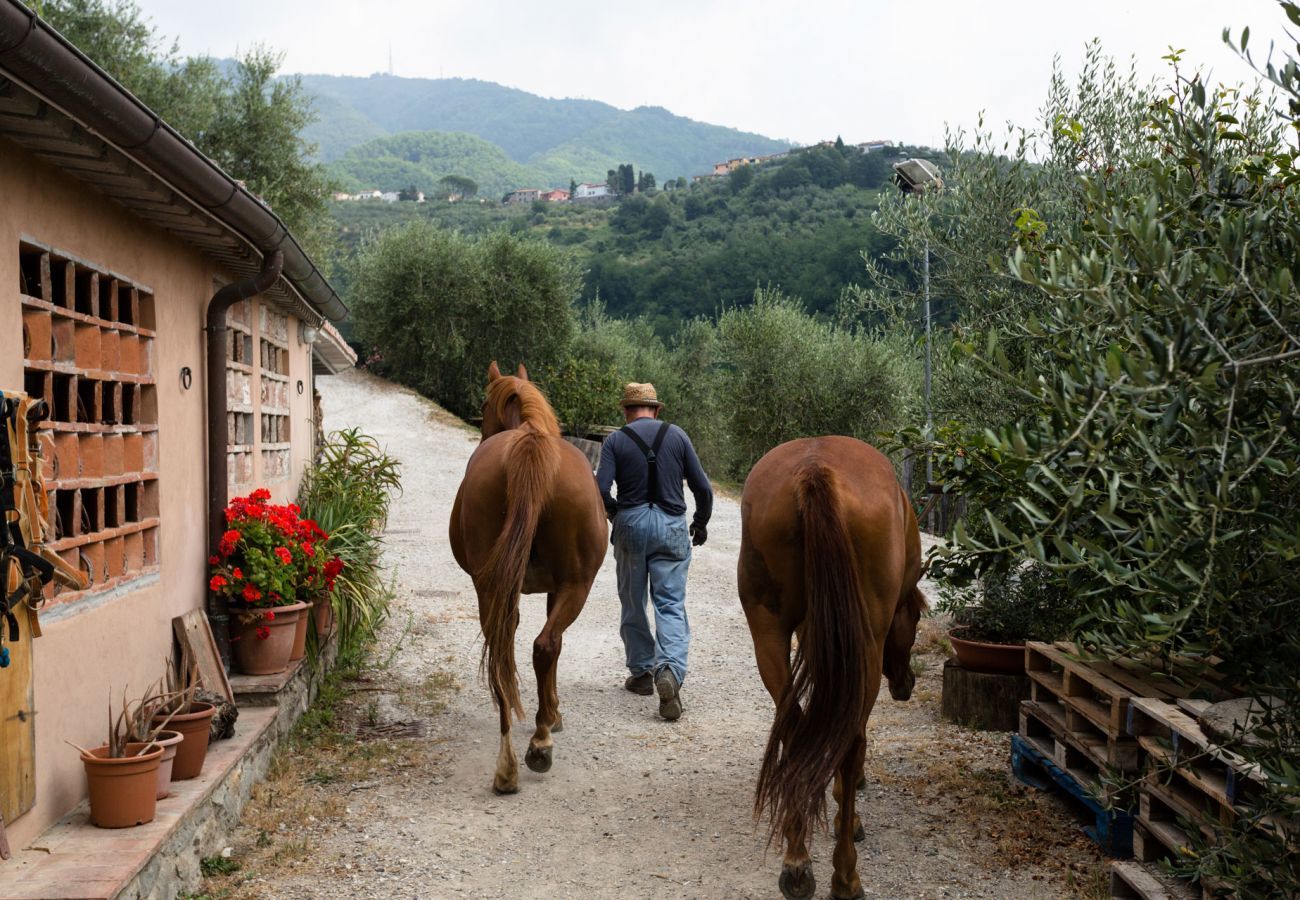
(347, 492)
(437, 307)
(782, 374)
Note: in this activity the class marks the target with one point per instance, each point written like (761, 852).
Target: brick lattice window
(88, 350)
(274, 377)
(239, 393)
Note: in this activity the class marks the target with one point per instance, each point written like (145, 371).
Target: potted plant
(122, 774)
(992, 619)
(179, 711)
(268, 562)
(147, 727)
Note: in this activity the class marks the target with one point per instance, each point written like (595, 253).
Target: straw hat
(636, 394)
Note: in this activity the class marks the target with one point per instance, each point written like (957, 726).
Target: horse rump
(823, 711)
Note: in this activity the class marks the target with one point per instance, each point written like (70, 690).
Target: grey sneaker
(670, 701)
(643, 684)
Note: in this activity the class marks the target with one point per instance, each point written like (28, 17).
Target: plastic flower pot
(263, 646)
(194, 724)
(300, 633)
(169, 740)
(983, 656)
(123, 792)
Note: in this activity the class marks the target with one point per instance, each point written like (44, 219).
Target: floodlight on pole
(916, 176)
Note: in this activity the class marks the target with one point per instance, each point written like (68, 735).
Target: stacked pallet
(1075, 729)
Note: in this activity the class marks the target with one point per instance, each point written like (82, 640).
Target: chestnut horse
(829, 551)
(527, 519)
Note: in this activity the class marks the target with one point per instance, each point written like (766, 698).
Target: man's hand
(699, 534)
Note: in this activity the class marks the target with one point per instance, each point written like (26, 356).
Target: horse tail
(530, 468)
(824, 710)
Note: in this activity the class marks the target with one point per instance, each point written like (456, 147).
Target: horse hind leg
(506, 778)
(845, 884)
(859, 833)
(796, 880)
(562, 608)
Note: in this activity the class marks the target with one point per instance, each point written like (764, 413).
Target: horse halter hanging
(25, 565)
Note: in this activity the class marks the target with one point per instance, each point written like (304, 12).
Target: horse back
(570, 540)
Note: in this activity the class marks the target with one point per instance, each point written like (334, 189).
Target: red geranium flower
(284, 555)
(212, 560)
(251, 593)
(216, 583)
(263, 632)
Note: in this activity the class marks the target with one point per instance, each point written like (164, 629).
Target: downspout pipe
(218, 477)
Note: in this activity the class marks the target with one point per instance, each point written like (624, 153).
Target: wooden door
(17, 725)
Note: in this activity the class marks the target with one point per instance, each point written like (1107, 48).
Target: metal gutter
(44, 62)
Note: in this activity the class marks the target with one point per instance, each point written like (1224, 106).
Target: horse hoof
(538, 759)
(858, 896)
(797, 883)
(859, 834)
(502, 789)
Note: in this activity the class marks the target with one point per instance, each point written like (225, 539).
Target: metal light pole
(915, 176)
(929, 417)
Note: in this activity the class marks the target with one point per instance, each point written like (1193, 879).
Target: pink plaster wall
(116, 640)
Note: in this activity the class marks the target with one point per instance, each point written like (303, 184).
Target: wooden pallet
(1111, 828)
(1170, 736)
(1094, 705)
(1081, 754)
(1132, 879)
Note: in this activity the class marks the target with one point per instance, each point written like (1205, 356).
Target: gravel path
(634, 807)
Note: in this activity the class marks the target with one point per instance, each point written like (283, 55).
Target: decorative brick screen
(88, 350)
(239, 394)
(274, 378)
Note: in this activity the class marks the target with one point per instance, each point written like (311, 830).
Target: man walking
(649, 459)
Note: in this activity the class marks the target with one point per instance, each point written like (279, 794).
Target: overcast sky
(803, 70)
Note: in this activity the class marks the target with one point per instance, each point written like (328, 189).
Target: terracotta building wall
(120, 638)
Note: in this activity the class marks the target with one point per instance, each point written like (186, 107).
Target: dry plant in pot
(148, 725)
(180, 711)
(122, 775)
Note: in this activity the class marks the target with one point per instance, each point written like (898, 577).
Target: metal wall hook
(187, 377)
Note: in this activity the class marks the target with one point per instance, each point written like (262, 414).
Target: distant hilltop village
(595, 191)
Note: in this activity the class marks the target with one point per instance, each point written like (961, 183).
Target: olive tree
(434, 307)
(1157, 468)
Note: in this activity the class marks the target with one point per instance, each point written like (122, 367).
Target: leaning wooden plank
(193, 631)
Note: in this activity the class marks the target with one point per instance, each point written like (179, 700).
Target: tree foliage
(1157, 470)
(437, 307)
(245, 118)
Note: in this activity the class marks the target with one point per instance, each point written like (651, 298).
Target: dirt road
(634, 807)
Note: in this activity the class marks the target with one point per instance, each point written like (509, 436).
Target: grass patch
(217, 865)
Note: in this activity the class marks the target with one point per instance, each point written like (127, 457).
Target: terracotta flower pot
(263, 646)
(300, 633)
(123, 792)
(323, 614)
(983, 656)
(169, 740)
(194, 725)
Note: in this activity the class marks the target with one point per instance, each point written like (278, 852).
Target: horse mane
(534, 408)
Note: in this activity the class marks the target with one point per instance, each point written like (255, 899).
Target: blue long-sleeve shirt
(622, 461)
